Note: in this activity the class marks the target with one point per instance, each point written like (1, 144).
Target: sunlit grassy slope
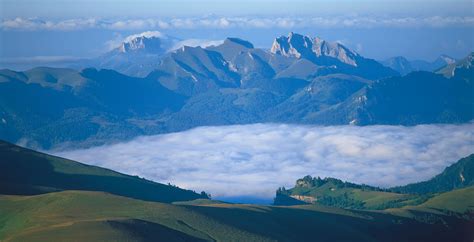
(61, 200)
(460, 200)
(334, 192)
(96, 216)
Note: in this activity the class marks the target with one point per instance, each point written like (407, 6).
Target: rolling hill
(63, 200)
(334, 192)
(97, 217)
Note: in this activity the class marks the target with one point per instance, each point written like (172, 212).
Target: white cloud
(115, 42)
(238, 22)
(171, 42)
(40, 24)
(146, 34)
(39, 59)
(254, 160)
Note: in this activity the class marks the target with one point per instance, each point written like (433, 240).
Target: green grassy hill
(334, 192)
(26, 172)
(96, 216)
(62, 200)
(458, 175)
(460, 201)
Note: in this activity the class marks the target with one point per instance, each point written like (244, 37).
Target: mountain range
(153, 83)
(140, 54)
(404, 66)
(57, 199)
(300, 80)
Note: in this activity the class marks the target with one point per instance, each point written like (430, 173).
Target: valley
(94, 215)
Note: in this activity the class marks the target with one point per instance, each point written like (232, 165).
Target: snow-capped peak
(146, 34)
(151, 40)
(157, 43)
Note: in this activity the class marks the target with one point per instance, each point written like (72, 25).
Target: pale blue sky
(121, 8)
(416, 29)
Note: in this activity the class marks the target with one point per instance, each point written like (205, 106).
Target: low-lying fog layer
(254, 160)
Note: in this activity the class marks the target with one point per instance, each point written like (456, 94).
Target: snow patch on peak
(153, 42)
(146, 34)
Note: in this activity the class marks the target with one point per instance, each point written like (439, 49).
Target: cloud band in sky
(30, 24)
(254, 160)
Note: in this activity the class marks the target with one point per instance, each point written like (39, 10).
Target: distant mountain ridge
(404, 66)
(302, 80)
(140, 54)
(236, 63)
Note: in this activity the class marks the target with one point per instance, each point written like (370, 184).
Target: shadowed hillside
(25, 172)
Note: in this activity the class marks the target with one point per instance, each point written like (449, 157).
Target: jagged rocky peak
(293, 45)
(447, 59)
(335, 50)
(150, 41)
(301, 46)
(399, 63)
(451, 69)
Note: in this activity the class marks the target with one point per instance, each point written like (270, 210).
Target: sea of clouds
(254, 160)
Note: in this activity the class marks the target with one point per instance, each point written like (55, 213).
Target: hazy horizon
(37, 33)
